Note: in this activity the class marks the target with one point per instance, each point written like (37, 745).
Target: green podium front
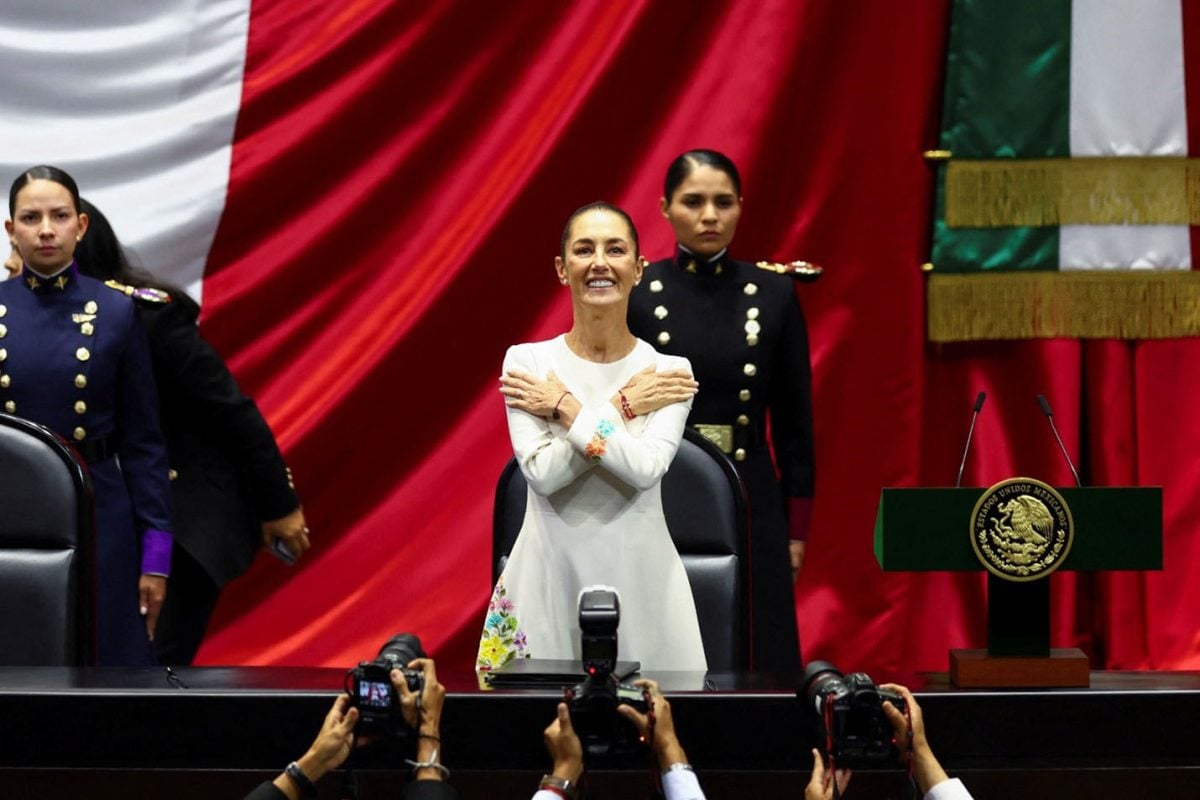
(924, 530)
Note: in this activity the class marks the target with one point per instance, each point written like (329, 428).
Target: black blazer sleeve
(791, 404)
(197, 390)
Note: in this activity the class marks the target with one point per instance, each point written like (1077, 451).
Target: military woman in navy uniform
(74, 357)
(741, 327)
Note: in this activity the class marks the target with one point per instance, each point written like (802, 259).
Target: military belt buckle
(720, 435)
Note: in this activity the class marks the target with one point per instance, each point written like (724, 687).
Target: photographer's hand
(328, 751)
(666, 744)
(564, 746)
(426, 721)
(820, 785)
(927, 772)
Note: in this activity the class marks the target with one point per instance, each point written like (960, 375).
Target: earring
(563, 281)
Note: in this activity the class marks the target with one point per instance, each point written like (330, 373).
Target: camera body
(593, 703)
(370, 686)
(854, 730)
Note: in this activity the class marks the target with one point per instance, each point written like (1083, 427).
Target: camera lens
(401, 649)
(820, 679)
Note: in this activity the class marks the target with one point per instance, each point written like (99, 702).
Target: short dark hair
(42, 172)
(599, 205)
(683, 166)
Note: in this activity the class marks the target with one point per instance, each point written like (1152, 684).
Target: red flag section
(401, 173)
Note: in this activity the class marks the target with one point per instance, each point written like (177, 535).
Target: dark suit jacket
(229, 475)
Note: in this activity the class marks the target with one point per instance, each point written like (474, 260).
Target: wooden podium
(925, 530)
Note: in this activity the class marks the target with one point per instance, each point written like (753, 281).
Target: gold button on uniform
(172, 475)
(80, 434)
(3, 310)
(5, 381)
(81, 381)
(3, 354)
(660, 312)
(750, 370)
(83, 354)
(3, 331)
(743, 420)
(656, 286)
(80, 407)
(752, 339)
(750, 289)
(90, 307)
(87, 329)
(739, 454)
(744, 395)
(664, 338)
(752, 313)
(10, 406)
(752, 326)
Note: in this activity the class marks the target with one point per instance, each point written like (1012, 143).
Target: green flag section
(1061, 194)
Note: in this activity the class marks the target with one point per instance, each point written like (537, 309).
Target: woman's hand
(531, 394)
(292, 530)
(152, 591)
(650, 390)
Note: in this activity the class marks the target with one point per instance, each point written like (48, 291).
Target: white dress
(593, 516)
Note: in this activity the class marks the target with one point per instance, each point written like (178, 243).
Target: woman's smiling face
(601, 264)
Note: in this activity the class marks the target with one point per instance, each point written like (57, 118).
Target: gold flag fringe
(1085, 305)
(1005, 192)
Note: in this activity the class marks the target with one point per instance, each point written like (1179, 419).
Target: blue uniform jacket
(74, 357)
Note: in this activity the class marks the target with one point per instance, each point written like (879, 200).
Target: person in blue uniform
(741, 327)
(231, 489)
(74, 358)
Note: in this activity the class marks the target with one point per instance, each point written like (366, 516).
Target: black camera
(854, 731)
(370, 685)
(593, 703)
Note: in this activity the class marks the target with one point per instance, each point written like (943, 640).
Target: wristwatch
(568, 789)
(306, 786)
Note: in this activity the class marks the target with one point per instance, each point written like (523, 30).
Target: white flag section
(136, 99)
(1127, 99)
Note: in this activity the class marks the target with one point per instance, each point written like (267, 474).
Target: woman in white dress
(595, 416)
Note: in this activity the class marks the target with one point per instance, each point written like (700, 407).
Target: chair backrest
(704, 502)
(46, 592)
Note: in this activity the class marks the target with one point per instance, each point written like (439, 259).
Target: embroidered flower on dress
(596, 448)
(502, 638)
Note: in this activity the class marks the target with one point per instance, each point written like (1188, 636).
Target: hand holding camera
(659, 734)
(564, 746)
(910, 738)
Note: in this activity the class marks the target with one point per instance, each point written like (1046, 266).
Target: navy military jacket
(745, 335)
(74, 357)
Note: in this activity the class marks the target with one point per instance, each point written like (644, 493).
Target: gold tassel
(1141, 304)
(1006, 192)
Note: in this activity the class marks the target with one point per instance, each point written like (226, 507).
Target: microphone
(1045, 404)
(970, 431)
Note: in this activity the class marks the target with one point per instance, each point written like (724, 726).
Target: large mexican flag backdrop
(367, 197)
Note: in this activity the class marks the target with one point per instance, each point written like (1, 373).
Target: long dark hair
(100, 255)
(683, 166)
(42, 172)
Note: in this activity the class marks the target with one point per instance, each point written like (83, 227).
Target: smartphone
(280, 551)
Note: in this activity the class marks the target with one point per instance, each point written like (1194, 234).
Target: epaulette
(143, 293)
(800, 270)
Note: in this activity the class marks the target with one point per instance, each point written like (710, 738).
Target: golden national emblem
(1021, 529)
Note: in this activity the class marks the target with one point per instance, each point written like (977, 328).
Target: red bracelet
(626, 409)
